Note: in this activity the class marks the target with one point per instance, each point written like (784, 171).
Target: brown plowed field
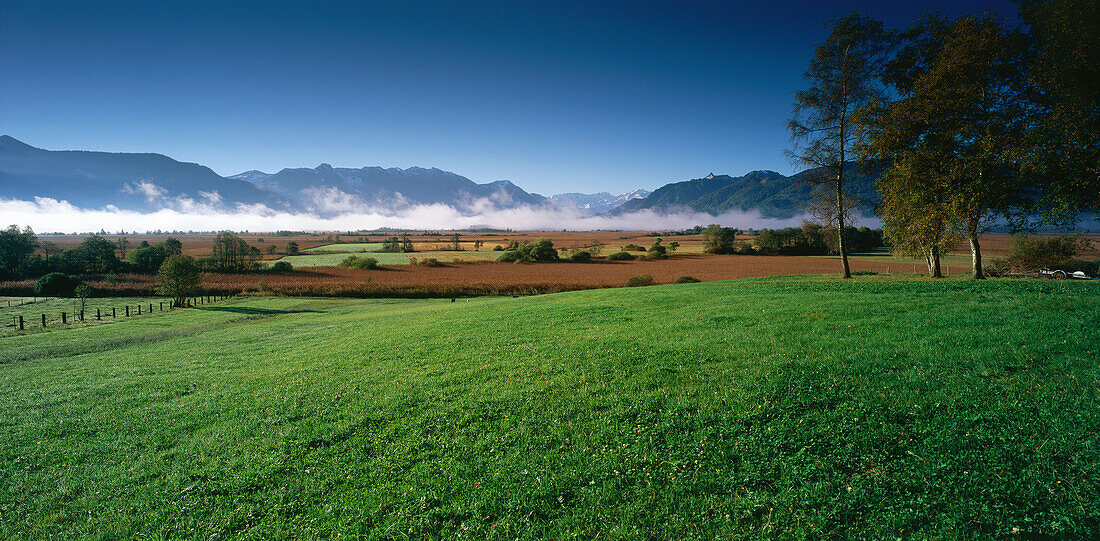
(499, 278)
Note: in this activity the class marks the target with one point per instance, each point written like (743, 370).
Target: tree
(147, 259)
(172, 246)
(232, 254)
(292, 248)
(406, 244)
(95, 255)
(541, 249)
(843, 79)
(960, 115)
(455, 245)
(56, 284)
(123, 245)
(178, 278)
(15, 247)
(672, 246)
(718, 239)
(918, 222)
(1064, 134)
(82, 292)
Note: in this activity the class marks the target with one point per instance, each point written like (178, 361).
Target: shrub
(430, 262)
(1027, 253)
(530, 252)
(581, 257)
(281, 266)
(621, 256)
(687, 280)
(639, 280)
(498, 248)
(864, 273)
(633, 248)
(356, 262)
(56, 284)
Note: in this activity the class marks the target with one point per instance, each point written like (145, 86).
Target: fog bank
(47, 215)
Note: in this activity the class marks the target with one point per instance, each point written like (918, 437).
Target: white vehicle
(1059, 274)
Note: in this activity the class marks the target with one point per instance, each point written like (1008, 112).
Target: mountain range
(148, 182)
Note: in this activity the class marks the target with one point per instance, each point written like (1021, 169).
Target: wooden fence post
(113, 314)
(150, 308)
(43, 320)
(127, 310)
(161, 306)
(64, 319)
(82, 316)
(20, 322)
(97, 314)
(139, 310)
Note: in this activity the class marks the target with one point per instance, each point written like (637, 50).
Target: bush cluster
(639, 280)
(530, 252)
(357, 262)
(621, 256)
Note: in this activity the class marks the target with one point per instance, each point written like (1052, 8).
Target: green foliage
(621, 256)
(947, 410)
(538, 250)
(56, 284)
(687, 280)
(16, 247)
(292, 248)
(172, 246)
(147, 259)
(179, 277)
(581, 257)
(94, 255)
(633, 248)
(391, 245)
(658, 250)
(719, 240)
(639, 280)
(356, 262)
(430, 262)
(1028, 253)
(232, 254)
(281, 266)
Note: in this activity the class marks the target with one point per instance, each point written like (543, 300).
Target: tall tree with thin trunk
(843, 80)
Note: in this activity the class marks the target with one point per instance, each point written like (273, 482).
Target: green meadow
(345, 247)
(334, 259)
(795, 407)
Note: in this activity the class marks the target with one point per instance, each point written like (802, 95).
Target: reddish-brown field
(489, 278)
(496, 278)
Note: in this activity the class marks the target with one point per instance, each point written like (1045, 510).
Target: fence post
(161, 306)
(20, 322)
(150, 308)
(127, 310)
(113, 314)
(43, 320)
(82, 316)
(139, 309)
(97, 314)
(64, 319)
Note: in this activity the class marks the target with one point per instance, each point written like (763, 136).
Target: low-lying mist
(46, 215)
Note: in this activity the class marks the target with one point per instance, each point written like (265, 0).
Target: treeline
(972, 121)
(23, 255)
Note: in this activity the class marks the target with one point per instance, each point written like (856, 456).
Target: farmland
(331, 258)
(878, 407)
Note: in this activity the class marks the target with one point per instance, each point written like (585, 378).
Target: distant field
(334, 259)
(347, 247)
(875, 408)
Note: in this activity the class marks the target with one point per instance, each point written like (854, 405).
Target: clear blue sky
(556, 96)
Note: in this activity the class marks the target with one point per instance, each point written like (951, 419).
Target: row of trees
(970, 120)
(97, 255)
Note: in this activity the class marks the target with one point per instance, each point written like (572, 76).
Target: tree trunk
(840, 220)
(975, 250)
(934, 262)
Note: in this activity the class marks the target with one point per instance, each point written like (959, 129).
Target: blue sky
(555, 96)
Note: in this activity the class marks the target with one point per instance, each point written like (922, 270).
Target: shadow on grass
(256, 311)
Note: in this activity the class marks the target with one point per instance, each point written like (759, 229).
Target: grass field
(346, 247)
(32, 309)
(879, 407)
(334, 259)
